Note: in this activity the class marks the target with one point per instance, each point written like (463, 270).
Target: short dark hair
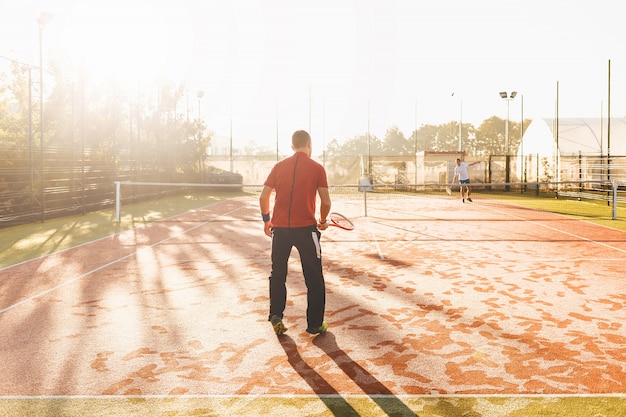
(300, 138)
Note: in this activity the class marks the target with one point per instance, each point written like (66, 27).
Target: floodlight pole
(43, 20)
(369, 146)
(523, 171)
(461, 127)
(415, 142)
(508, 98)
(230, 140)
(201, 160)
(200, 95)
(460, 124)
(608, 128)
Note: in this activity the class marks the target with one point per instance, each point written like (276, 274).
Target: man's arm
(325, 205)
(264, 204)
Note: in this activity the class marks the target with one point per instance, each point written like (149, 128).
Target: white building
(576, 139)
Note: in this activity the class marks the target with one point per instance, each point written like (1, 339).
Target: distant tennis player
(462, 174)
(297, 181)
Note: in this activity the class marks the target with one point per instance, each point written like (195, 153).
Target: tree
(358, 145)
(429, 138)
(468, 141)
(395, 143)
(253, 148)
(490, 137)
(14, 113)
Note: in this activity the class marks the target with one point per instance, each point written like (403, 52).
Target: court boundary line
(108, 264)
(272, 396)
(522, 219)
(581, 238)
(167, 219)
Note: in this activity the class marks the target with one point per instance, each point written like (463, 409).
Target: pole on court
(614, 198)
(118, 201)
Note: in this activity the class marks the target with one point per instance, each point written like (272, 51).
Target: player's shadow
(329, 396)
(375, 389)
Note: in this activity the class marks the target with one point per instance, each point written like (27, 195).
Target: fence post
(118, 201)
(614, 199)
(537, 188)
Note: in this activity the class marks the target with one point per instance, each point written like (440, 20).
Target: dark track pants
(307, 242)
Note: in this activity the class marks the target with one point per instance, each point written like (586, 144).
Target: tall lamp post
(201, 156)
(508, 98)
(200, 95)
(43, 20)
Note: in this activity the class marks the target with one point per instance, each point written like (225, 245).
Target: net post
(118, 201)
(614, 198)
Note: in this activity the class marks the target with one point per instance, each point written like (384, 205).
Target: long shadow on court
(376, 390)
(329, 396)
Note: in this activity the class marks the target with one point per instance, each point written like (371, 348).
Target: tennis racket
(449, 190)
(341, 221)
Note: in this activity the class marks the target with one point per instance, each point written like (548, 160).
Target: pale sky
(339, 67)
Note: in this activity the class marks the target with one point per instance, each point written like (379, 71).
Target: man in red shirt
(297, 181)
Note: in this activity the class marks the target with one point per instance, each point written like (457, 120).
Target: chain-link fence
(38, 185)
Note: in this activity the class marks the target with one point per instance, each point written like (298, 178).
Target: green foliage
(108, 118)
(487, 139)
(358, 145)
(146, 123)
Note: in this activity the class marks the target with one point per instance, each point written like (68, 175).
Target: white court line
(304, 396)
(139, 227)
(586, 239)
(101, 267)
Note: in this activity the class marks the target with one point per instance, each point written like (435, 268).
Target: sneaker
(463, 200)
(469, 199)
(320, 329)
(278, 325)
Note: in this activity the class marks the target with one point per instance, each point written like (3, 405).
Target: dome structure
(586, 136)
(543, 150)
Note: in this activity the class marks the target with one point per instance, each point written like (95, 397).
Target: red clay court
(426, 297)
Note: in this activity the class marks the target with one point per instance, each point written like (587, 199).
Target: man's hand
(268, 228)
(322, 226)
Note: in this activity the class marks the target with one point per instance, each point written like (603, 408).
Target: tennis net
(149, 201)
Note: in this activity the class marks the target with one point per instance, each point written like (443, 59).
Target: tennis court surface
(480, 305)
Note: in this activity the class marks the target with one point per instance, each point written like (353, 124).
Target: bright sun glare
(128, 41)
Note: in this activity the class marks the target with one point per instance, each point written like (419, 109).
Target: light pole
(450, 134)
(508, 98)
(415, 142)
(200, 95)
(369, 146)
(460, 124)
(200, 147)
(523, 170)
(43, 20)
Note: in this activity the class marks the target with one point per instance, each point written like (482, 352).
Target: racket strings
(341, 221)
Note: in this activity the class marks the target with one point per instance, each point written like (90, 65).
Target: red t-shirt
(296, 180)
